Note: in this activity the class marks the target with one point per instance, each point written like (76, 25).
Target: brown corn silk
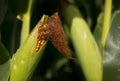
(57, 35)
(52, 29)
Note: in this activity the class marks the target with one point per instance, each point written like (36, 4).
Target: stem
(106, 23)
(25, 27)
(26, 21)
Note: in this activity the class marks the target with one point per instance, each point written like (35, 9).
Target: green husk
(26, 58)
(84, 44)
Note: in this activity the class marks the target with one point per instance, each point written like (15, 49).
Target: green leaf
(4, 63)
(98, 30)
(25, 60)
(5, 71)
(4, 55)
(112, 51)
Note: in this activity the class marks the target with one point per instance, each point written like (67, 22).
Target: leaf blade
(112, 53)
(4, 63)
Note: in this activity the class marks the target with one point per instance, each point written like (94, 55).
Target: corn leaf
(111, 71)
(4, 63)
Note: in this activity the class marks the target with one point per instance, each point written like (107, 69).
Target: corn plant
(59, 40)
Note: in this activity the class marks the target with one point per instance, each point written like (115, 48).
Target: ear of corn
(26, 58)
(84, 44)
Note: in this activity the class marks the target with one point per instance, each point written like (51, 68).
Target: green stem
(106, 24)
(25, 27)
(26, 21)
